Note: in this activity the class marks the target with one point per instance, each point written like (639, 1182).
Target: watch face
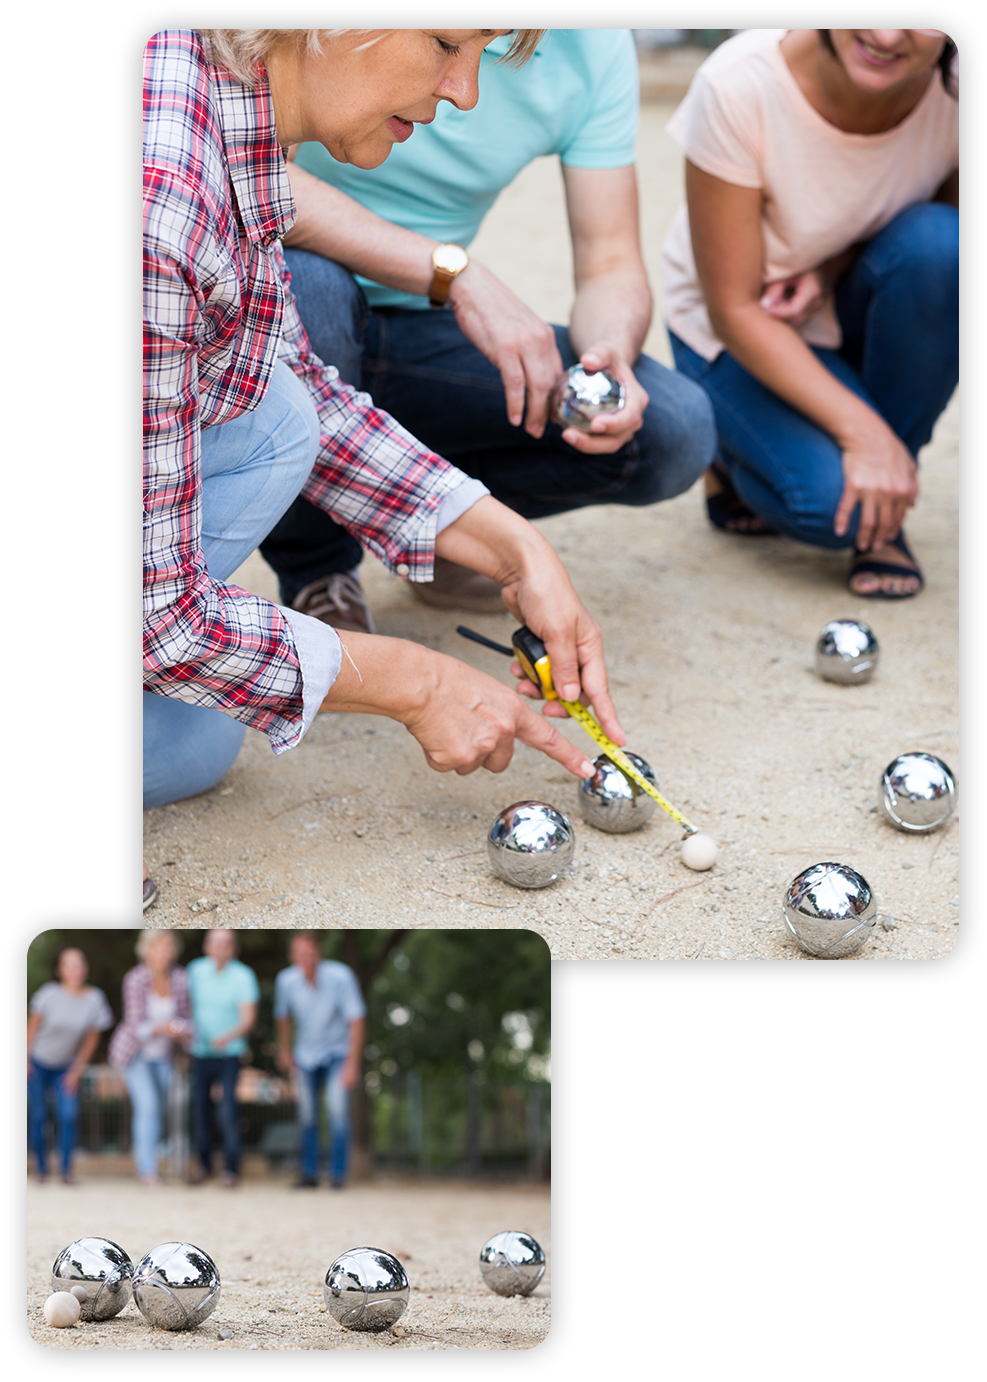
(452, 258)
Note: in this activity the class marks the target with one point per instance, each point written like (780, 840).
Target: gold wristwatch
(447, 262)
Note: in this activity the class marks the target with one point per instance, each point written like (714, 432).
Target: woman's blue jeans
(42, 1080)
(898, 305)
(252, 468)
(148, 1083)
(419, 367)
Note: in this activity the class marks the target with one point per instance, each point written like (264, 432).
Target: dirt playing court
(709, 640)
(273, 1245)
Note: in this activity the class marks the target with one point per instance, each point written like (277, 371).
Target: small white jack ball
(80, 1293)
(62, 1310)
(699, 852)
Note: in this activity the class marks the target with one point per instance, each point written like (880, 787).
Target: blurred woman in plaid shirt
(240, 417)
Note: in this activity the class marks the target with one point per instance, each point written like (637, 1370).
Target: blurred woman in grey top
(322, 999)
(66, 1017)
(156, 1019)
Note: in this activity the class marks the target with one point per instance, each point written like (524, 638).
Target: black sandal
(873, 566)
(728, 511)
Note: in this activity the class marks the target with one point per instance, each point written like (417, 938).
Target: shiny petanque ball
(581, 395)
(847, 652)
(366, 1288)
(98, 1273)
(176, 1286)
(611, 801)
(830, 911)
(512, 1263)
(530, 844)
(918, 792)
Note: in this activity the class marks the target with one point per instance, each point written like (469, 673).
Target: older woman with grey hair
(156, 1022)
(240, 417)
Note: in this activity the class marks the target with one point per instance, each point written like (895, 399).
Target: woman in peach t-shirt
(811, 283)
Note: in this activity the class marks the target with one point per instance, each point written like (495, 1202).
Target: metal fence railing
(431, 1126)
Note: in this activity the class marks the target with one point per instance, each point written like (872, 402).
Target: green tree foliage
(438, 1001)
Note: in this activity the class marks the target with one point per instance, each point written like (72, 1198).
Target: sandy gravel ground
(709, 640)
(272, 1246)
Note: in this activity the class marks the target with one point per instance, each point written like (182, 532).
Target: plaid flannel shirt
(218, 312)
(134, 1030)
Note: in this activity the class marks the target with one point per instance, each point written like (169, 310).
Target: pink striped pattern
(57, 630)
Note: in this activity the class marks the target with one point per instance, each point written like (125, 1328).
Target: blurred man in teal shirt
(223, 993)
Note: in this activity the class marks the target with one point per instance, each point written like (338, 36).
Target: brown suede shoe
(337, 600)
(457, 587)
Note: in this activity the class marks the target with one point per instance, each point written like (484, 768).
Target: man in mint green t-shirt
(223, 995)
(389, 295)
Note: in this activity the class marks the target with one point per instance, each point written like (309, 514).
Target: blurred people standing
(321, 1000)
(66, 1017)
(223, 993)
(156, 1017)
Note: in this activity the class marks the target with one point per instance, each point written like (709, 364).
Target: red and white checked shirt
(218, 312)
(136, 1028)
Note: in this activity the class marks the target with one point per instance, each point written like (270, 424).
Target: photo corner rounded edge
(29, 925)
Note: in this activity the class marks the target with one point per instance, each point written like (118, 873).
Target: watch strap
(438, 293)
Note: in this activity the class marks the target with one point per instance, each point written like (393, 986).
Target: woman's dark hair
(56, 963)
(945, 64)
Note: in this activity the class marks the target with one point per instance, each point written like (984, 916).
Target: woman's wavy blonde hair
(238, 50)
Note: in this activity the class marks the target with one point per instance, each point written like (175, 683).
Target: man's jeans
(206, 1070)
(312, 1085)
(148, 1083)
(421, 369)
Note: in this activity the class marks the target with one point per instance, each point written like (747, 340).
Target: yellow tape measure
(530, 652)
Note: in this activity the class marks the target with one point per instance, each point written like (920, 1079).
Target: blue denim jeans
(421, 369)
(148, 1083)
(43, 1080)
(252, 468)
(324, 1081)
(206, 1070)
(898, 305)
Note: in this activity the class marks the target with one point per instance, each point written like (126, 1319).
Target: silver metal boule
(102, 1269)
(612, 801)
(918, 792)
(176, 1286)
(366, 1288)
(830, 911)
(847, 651)
(581, 395)
(530, 844)
(512, 1263)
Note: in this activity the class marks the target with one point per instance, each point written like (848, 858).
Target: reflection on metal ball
(847, 651)
(512, 1263)
(366, 1288)
(611, 801)
(99, 1268)
(530, 844)
(176, 1286)
(918, 792)
(580, 396)
(830, 911)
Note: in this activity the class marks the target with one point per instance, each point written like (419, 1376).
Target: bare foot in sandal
(890, 574)
(726, 509)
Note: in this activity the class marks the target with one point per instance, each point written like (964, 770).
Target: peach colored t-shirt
(746, 120)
